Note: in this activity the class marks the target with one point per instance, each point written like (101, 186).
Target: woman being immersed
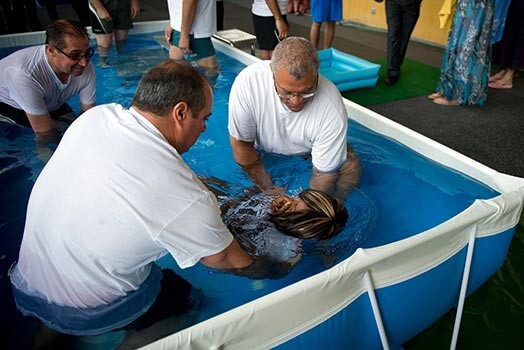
(274, 227)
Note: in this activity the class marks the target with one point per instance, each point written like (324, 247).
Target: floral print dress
(466, 63)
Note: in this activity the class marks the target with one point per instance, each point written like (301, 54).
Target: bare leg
(208, 62)
(314, 34)
(175, 53)
(120, 39)
(103, 42)
(121, 35)
(265, 54)
(295, 8)
(329, 34)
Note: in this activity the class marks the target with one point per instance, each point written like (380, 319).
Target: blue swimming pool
(402, 193)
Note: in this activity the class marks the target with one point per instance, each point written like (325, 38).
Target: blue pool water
(401, 192)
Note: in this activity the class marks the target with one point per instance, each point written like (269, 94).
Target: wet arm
(45, 135)
(233, 257)
(349, 176)
(246, 155)
(338, 183)
(323, 181)
(85, 107)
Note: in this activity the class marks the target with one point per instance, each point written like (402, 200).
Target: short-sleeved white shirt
(261, 9)
(257, 114)
(204, 23)
(30, 84)
(114, 197)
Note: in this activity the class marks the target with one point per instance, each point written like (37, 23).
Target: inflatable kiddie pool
(346, 71)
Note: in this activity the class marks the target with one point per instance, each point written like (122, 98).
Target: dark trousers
(19, 116)
(401, 17)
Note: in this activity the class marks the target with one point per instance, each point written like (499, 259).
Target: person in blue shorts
(189, 36)
(328, 12)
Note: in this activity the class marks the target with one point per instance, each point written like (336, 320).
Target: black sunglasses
(77, 55)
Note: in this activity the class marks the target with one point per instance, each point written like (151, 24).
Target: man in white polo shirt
(286, 107)
(37, 82)
(115, 197)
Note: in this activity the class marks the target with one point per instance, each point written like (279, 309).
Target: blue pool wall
(409, 307)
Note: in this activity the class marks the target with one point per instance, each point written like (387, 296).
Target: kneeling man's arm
(235, 260)
(45, 135)
(85, 107)
(233, 257)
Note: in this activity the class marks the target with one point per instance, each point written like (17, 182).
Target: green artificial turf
(416, 79)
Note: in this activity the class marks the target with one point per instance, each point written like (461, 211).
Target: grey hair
(297, 56)
(167, 84)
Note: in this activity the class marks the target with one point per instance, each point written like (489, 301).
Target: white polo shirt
(29, 83)
(114, 197)
(257, 114)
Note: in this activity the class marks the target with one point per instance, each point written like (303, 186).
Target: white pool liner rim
(280, 316)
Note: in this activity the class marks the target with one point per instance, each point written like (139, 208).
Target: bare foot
(442, 101)
(500, 85)
(435, 95)
(497, 76)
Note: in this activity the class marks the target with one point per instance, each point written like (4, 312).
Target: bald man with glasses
(37, 82)
(284, 106)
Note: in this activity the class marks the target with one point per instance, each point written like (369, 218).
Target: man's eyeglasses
(287, 96)
(77, 55)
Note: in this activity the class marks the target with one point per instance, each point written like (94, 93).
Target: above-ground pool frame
(381, 296)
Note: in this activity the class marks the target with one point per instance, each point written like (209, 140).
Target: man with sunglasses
(284, 106)
(37, 82)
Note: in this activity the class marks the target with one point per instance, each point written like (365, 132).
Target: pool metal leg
(376, 310)
(464, 286)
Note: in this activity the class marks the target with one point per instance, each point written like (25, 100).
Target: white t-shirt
(29, 83)
(260, 8)
(204, 23)
(114, 197)
(257, 114)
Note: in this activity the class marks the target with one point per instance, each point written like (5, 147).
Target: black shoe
(391, 80)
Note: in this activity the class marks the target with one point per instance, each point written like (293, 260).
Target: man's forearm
(258, 174)
(275, 10)
(324, 181)
(247, 157)
(349, 176)
(340, 182)
(188, 15)
(44, 142)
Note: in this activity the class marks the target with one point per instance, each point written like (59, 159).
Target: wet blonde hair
(325, 217)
